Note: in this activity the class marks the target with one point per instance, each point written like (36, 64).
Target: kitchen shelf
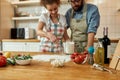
(25, 2)
(32, 2)
(25, 18)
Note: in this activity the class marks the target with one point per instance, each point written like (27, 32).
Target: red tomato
(84, 56)
(3, 61)
(76, 54)
(81, 57)
(77, 59)
(72, 56)
(85, 52)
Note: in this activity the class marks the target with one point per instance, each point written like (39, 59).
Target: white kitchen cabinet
(32, 47)
(13, 46)
(21, 46)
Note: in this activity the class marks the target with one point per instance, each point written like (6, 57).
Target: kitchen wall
(109, 11)
(110, 16)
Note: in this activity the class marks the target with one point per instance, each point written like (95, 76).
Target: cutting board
(115, 64)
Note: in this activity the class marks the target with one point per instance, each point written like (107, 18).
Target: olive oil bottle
(99, 53)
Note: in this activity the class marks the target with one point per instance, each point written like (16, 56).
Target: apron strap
(83, 11)
(49, 23)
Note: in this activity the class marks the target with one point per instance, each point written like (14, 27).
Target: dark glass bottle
(106, 42)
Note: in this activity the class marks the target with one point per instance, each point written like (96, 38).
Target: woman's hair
(45, 2)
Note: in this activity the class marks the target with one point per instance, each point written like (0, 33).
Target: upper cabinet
(6, 13)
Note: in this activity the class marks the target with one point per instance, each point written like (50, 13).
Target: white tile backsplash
(36, 11)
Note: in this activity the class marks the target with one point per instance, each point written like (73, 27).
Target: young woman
(51, 27)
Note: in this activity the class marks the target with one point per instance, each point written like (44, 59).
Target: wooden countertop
(112, 40)
(44, 71)
(36, 40)
(20, 40)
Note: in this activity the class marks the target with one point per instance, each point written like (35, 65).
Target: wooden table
(44, 71)
(36, 40)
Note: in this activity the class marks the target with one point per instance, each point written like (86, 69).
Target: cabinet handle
(25, 43)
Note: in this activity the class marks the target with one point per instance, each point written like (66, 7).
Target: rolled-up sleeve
(93, 19)
(42, 18)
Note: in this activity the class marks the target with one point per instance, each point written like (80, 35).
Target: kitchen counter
(36, 40)
(44, 71)
(112, 40)
(20, 40)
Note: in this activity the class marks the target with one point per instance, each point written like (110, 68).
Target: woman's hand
(51, 36)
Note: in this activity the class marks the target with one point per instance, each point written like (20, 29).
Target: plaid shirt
(47, 45)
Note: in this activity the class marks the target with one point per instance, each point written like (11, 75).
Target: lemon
(7, 54)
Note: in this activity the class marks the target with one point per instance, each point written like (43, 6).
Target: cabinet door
(6, 12)
(32, 47)
(13, 46)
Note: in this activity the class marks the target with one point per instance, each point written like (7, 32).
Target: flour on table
(47, 58)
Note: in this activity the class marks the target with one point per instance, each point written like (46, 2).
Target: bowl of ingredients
(23, 59)
(79, 58)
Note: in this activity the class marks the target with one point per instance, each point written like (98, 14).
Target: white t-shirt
(46, 17)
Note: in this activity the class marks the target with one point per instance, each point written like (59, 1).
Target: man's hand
(90, 40)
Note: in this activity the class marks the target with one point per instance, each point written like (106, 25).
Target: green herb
(22, 57)
(10, 61)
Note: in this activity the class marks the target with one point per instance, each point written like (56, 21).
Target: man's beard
(78, 8)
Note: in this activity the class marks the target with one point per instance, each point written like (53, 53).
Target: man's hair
(83, 1)
(45, 2)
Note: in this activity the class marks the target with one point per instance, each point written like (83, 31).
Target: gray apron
(79, 31)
